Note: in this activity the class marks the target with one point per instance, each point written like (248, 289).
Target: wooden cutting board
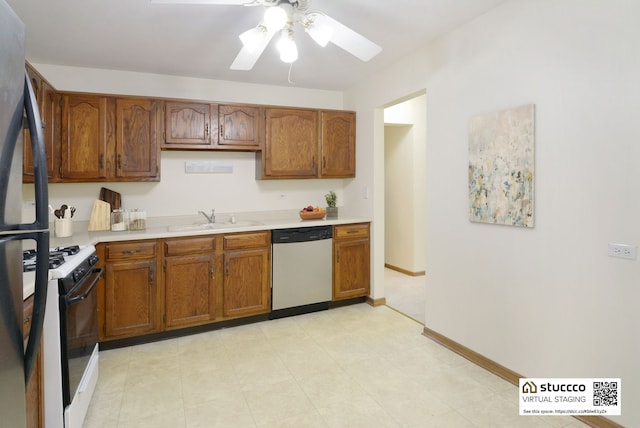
(112, 197)
(100, 216)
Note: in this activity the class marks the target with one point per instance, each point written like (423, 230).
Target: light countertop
(159, 227)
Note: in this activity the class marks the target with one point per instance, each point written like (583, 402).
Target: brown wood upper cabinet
(302, 143)
(84, 137)
(137, 149)
(291, 144)
(338, 144)
(49, 106)
(201, 126)
(109, 139)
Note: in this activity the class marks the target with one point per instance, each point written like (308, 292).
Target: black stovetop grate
(56, 257)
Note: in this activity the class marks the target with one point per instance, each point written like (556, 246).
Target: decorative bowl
(312, 215)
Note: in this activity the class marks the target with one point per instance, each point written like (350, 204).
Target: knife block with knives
(108, 201)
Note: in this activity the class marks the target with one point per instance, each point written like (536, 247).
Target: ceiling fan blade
(221, 2)
(247, 58)
(352, 42)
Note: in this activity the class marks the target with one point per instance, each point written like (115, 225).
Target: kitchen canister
(63, 227)
(119, 220)
(137, 220)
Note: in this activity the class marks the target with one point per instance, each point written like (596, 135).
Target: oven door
(78, 331)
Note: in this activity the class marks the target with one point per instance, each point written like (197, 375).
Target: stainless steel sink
(211, 226)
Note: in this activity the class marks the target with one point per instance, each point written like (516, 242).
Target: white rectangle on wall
(208, 167)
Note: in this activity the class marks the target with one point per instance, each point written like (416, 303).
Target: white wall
(178, 193)
(546, 301)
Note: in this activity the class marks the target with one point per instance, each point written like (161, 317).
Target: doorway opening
(405, 206)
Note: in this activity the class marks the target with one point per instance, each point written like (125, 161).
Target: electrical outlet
(623, 251)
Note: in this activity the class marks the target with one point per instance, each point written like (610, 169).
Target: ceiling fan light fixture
(319, 31)
(275, 18)
(321, 34)
(252, 38)
(287, 47)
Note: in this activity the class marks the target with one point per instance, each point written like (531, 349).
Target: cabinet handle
(129, 252)
(222, 130)
(211, 271)
(226, 269)
(350, 231)
(101, 161)
(324, 162)
(206, 130)
(338, 256)
(119, 161)
(152, 275)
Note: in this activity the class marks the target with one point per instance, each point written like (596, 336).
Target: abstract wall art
(501, 161)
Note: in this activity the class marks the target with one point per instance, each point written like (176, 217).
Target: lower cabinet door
(351, 269)
(246, 288)
(131, 296)
(189, 290)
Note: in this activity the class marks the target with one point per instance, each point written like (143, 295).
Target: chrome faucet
(211, 218)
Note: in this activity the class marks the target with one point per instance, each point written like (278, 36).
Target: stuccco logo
(562, 387)
(530, 387)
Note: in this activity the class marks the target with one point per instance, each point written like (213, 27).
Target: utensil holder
(63, 227)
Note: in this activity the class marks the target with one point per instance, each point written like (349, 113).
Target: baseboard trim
(376, 302)
(405, 271)
(505, 373)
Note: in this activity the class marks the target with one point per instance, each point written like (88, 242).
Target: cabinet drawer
(247, 240)
(351, 231)
(178, 247)
(131, 250)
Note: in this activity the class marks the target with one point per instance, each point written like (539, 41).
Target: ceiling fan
(279, 19)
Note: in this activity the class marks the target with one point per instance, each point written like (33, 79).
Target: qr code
(605, 393)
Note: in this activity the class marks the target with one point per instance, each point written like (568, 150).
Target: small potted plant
(332, 209)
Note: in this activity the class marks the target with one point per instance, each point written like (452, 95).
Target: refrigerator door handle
(39, 160)
(41, 223)
(39, 302)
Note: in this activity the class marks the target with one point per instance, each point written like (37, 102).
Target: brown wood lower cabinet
(203, 279)
(351, 261)
(247, 271)
(189, 281)
(129, 293)
(33, 396)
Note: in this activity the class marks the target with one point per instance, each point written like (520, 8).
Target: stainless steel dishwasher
(301, 273)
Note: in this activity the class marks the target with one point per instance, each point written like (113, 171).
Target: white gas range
(70, 334)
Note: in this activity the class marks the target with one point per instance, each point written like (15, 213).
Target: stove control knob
(93, 259)
(78, 273)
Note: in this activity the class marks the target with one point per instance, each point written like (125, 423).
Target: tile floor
(355, 366)
(406, 293)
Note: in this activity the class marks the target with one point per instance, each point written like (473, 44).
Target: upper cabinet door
(137, 150)
(239, 127)
(84, 137)
(338, 144)
(291, 144)
(49, 106)
(190, 125)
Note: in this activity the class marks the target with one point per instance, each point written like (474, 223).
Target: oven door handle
(79, 298)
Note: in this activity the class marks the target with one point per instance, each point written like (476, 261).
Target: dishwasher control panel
(301, 234)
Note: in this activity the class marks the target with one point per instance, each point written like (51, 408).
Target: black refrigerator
(18, 109)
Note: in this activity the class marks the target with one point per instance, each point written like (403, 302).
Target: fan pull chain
(291, 82)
